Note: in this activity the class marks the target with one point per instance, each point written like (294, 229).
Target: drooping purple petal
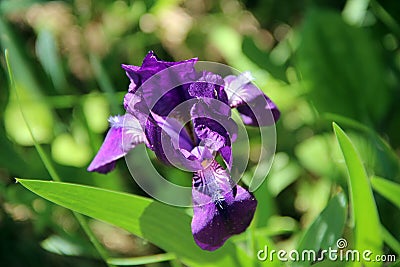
(240, 89)
(255, 107)
(125, 133)
(221, 209)
(261, 111)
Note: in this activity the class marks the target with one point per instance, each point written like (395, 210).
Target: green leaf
(166, 226)
(367, 229)
(388, 189)
(390, 240)
(142, 260)
(326, 229)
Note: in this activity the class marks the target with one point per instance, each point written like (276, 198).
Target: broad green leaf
(166, 226)
(367, 230)
(388, 189)
(326, 229)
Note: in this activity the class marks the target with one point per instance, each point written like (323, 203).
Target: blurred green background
(320, 61)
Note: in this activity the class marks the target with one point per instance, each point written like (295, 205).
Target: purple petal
(219, 210)
(163, 84)
(151, 65)
(240, 89)
(213, 125)
(226, 154)
(171, 143)
(255, 107)
(135, 105)
(125, 133)
(176, 130)
(209, 85)
(259, 112)
(168, 88)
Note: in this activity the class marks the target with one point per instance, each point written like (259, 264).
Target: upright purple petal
(151, 65)
(167, 89)
(163, 84)
(125, 133)
(221, 209)
(209, 85)
(255, 107)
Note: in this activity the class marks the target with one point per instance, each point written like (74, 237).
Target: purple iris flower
(184, 116)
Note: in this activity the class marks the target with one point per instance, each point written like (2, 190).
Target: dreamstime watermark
(337, 253)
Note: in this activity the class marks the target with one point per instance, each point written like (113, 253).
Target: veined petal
(255, 107)
(162, 84)
(125, 133)
(214, 127)
(171, 143)
(220, 209)
(176, 130)
(209, 85)
(240, 89)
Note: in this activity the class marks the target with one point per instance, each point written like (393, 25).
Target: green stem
(385, 17)
(143, 259)
(53, 173)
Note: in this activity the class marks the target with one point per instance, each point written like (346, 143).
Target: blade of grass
(142, 260)
(388, 189)
(367, 228)
(389, 239)
(50, 168)
(39, 149)
(362, 128)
